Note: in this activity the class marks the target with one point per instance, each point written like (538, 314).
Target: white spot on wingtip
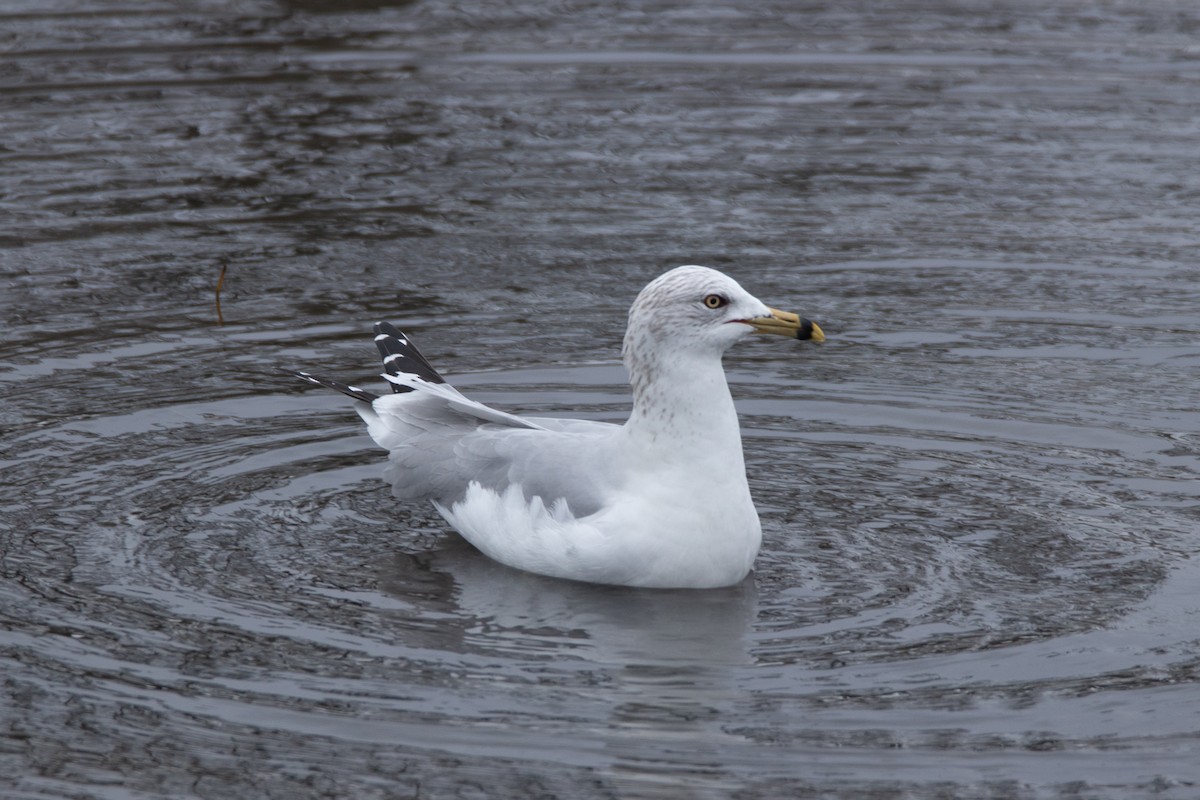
(403, 378)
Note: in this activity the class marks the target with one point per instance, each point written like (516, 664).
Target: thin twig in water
(220, 283)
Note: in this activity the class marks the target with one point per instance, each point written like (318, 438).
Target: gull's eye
(715, 301)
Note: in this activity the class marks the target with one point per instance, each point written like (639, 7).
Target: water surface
(980, 497)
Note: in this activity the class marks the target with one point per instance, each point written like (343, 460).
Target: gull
(660, 501)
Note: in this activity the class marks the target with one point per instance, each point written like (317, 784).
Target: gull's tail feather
(421, 400)
(401, 357)
(337, 386)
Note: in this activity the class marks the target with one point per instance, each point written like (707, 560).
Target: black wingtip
(337, 386)
(401, 357)
(388, 329)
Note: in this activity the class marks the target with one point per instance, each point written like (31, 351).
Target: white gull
(661, 501)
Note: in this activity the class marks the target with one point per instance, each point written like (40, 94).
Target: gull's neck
(683, 404)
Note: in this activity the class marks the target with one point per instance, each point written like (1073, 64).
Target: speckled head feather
(670, 320)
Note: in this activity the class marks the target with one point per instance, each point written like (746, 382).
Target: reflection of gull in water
(641, 685)
(485, 605)
(660, 501)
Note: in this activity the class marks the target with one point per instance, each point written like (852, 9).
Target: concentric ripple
(957, 572)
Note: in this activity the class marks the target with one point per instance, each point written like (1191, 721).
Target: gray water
(980, 497)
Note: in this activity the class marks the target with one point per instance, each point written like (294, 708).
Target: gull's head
(692, 309)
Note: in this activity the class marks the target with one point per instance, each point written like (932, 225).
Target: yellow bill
(785, 323)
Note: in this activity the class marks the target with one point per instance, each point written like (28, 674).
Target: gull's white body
(661, 501)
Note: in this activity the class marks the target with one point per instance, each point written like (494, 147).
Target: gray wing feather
(544, 464)
(440, 443)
